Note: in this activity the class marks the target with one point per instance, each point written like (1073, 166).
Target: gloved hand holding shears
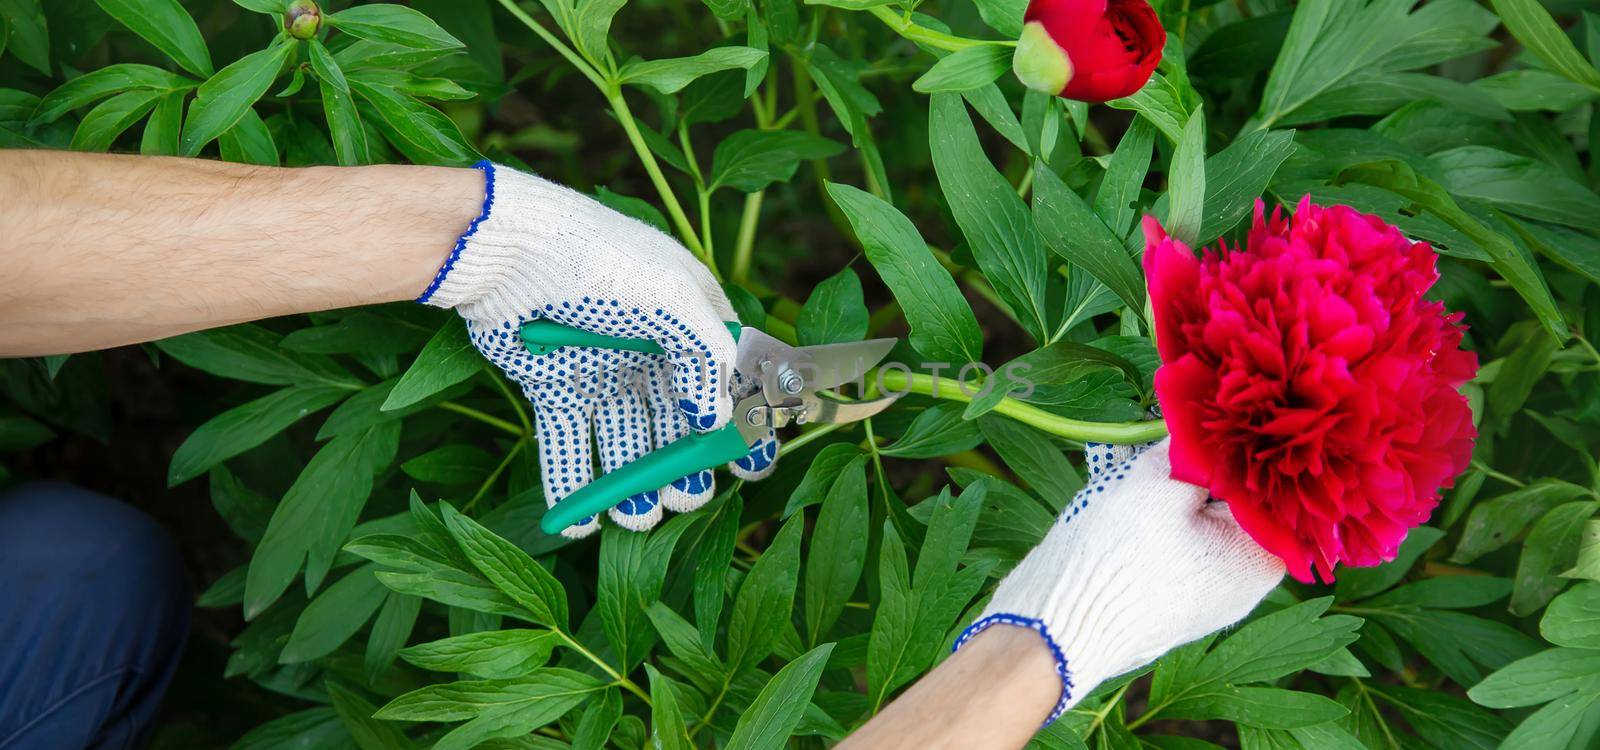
(625, 343)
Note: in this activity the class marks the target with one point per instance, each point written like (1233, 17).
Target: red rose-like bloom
(1307, 382)
(1090, 50)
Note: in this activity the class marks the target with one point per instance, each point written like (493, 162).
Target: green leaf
(684, 642)
(942, 324)
(1532, 25)
(765, 598)
(390, 631)
(1034, 458)
(1116, 203)
(1588, 554)
(1551, 547)
(1264, 707)
(510, 569)
(356, 715)
(713, 556)
(224, 97)
(1279, 644)
(100, 128)
(1518, 185)
(494, 708)
(1186, 185)
(263, 6)
(448, 358)
(317, 513)
(493, 654)
(1443, 719)
(750, 160)
(165, 24)
(165, 126)
(104, 82)
(1056, 375)
(776, 711)
(1534, 89)
(395, 24)
(667, 731)
(994, 220)
(1511, 262)
(419, 131)
(965, 69)
(835, 312)
(1539, 678)
(253, 354)
(1357, 583)
(248, 142)
(316, 727)
(349, 137)
(595, 726)
(1573, 618)
(1237, 176)
(670, 75)
(326, 68)
(334, 616)
(1494, 523)
(1004, 16)
(1163, 103)
(820, 475)
(633, 568)
(246, 426)
(838, 550)
(24, 22)
(1075, 233)
(18, 433)
(893, 622)
(451, 464)
(938, 430)
(591, 23)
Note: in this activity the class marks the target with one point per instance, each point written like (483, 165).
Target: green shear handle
(692, 453)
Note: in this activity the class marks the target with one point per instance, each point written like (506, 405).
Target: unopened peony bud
(302, 19)
(1089, 50)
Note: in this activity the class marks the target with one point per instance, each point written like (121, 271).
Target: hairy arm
(103, 250)
(991, 695)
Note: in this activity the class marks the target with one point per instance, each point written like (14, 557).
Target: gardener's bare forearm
(991, 695)
(100, 250)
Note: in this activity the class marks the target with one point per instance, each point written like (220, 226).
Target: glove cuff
(453, 296)
(1063, 669)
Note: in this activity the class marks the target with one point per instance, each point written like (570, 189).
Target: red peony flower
(1307, 382)
(1090, 50)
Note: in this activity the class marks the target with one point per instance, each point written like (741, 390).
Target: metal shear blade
(790, 378)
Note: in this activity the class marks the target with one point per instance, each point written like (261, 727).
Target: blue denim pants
(94, 611)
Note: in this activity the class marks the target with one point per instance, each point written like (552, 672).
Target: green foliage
(848, 169)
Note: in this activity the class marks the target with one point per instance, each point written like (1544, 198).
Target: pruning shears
(789, 380)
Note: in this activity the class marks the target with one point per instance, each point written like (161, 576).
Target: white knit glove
(540, 250)
(1137, 565)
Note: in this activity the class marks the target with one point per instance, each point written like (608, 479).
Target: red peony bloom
(1307, 382)
(1090, 50)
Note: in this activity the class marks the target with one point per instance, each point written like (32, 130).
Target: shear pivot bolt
(756, 416)
(791, 382)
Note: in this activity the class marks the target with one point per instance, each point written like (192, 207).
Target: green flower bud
(1039, 62)
(302, 19)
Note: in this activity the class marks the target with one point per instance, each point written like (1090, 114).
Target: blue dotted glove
(540, 250)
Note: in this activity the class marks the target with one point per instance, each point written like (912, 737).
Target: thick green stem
(674, 209)
(915, 32)
(626, 683)
(583, 67)
(1124, 433)
(745, 244)
(488, 419)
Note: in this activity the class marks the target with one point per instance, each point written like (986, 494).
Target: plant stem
(626, 683)
(674, 209)
(745, 244)
(1488, 471)
(806, 437)
(483, 489)
(1111, 705)
(516, 404)
(488, 419)
(915, 32)
(583, 67)
(1122, 433)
